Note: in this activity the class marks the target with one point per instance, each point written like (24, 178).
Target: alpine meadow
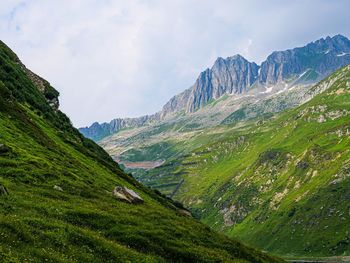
(246, 160)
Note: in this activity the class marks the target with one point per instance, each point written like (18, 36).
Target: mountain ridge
(236, 75)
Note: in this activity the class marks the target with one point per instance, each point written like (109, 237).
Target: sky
(127, 58)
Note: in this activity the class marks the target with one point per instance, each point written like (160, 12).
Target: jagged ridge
(236, 75)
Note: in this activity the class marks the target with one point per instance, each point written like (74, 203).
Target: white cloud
(126, 58)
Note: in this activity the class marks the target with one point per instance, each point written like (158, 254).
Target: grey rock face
(322, 56)
(175, 104)
(232, 75)
(236, 75)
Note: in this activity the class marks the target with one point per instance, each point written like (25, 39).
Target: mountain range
(237, 76)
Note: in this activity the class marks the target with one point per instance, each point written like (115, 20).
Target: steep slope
(281, 184)
(56, 197)
(238, 78)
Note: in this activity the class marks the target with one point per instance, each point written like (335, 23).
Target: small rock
(125, 194)
(3, 190)
(321, 119)
(184, 212)
(58, 188)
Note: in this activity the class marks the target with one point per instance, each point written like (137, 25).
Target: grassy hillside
(281, 184)
(56, 187)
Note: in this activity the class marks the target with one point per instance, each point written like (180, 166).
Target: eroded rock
(125, 194)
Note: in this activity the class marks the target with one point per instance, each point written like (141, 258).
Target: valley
(266, 165)
(174, 131)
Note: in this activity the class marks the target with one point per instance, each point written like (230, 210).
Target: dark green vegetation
(280, 183)
(56, 200)
(154, 152)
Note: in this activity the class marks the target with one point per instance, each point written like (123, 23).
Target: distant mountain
(98, 131)
(237, 76)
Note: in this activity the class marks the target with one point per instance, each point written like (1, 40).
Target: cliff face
(323, 56)
(236, 75)
(232, 75)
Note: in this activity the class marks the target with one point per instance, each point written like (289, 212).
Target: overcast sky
(126, 58)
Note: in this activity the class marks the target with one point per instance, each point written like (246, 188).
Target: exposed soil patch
(147, 165)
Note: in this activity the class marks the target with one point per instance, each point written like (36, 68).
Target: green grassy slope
(59, 206)
(283, 184)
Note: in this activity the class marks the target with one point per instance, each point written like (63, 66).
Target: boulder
(3, 190)
(125, 194)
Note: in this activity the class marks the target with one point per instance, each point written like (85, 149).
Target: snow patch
(268, 89)
(302, 74)
(342, 54)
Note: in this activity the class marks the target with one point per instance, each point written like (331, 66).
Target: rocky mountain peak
(232, 75)
(328, 45)
(232, 59)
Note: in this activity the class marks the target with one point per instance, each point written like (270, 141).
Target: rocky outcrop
(51, 95)
(125, 194)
